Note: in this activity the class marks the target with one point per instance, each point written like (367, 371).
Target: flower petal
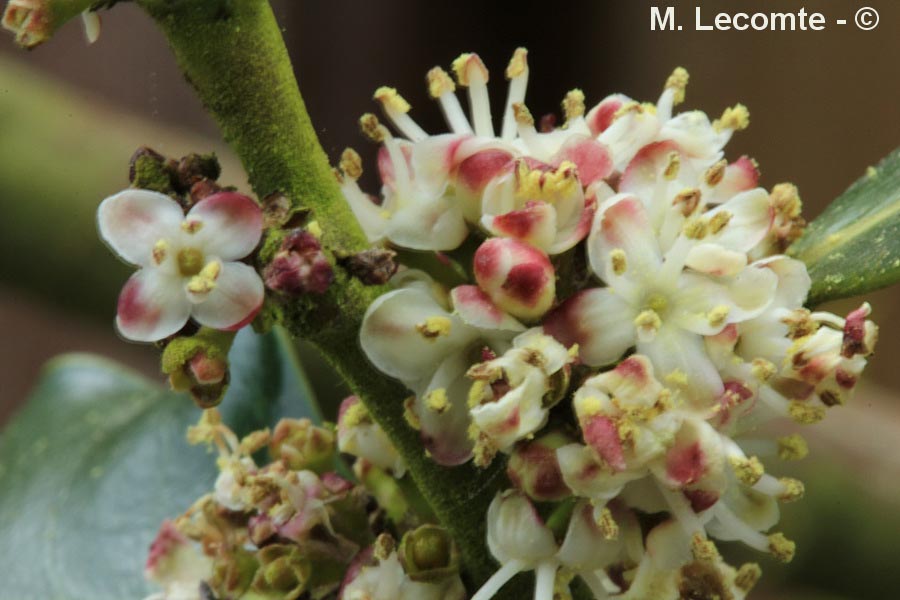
(230, 225)
(751, 218)
(600, 322)
(475, 308)
(235, 299)
(623, 224)
(602, 116)
(680, 357)
(132, 221)
(445, 433)
(590, 156)
(152, 306)
(705, 305)
(395, 338)
(535, 224)
(423, 223)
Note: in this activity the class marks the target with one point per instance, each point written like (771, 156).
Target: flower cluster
(629, 317)
(294, 528)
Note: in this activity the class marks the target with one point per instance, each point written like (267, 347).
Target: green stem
(233, 54)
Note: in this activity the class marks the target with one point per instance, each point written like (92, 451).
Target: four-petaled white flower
(188, 263)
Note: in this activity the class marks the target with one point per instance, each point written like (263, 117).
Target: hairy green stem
(233, 54)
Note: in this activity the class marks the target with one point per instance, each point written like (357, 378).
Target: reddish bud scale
(300, 266)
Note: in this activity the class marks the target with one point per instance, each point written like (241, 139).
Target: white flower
(656, 301)
(411, 334)
(512, 394)
(187, 264)
(520, 541)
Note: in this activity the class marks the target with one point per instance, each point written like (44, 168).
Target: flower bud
(199, 364)
(519, 278)
(283, 570)
(429, 554)
(300, 266)
(534, 469)
(302, 445)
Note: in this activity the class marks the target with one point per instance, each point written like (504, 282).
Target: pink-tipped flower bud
(300, 266)
(534, 469)
(518, 277)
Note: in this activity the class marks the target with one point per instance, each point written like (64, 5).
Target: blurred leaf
(98, 458)
(854, 246)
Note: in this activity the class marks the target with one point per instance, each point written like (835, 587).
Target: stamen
(436, 400)
(715, 173)
(678, 81)
(434, 327)
(471, 72)
(498, 580)
(703, 549)
(688, 200)
(619, 263)
(673, 166)
(739, 529)
(747, 576)
(396, 109)
(763, 369)
(782, 548)
(648, 324)
(371, 127)
(573, 104)
(736, 118)
(806, 414)
(719, 221)
(786, 201)
(607, 524)
(517, 73)
(351, 164)
(441, 87)
(747, 470)
(160, 250)
(792, 447)
(718, 315)
(696, 229)
(525, 128)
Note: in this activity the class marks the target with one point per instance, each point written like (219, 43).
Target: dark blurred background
(824, 107)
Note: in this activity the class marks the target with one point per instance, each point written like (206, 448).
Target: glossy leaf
(854, 246)
(98, 458)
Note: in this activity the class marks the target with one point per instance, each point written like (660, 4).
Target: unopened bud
(282, 570)
(534, 468)
(429, 554)
(300, 266)
(518, 277)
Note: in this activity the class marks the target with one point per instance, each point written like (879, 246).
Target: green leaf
(97, 459)
(854, 246)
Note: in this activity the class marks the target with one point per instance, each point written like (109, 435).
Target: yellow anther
(800, 324)
(437, 401)
(314, 228)
(703, 549)
(785, 198)
(617, 258)
(522, 114)
(484, 450)
(806, 414)
(763, 369)
(688, 199)
(518, 64)
(190, 261)
(160, 251)
(434, 327)
(678, 81)
(719, 221)
(696, 229)
(782, 548)
(391, 100)
(736, 118)
(439, 82)
(747, 576)
(573, 351)
(191, 226)
(609, 529)
(463, 66)
(479, 392)
(792, 447)
(677, 378)
(673, 166)
(648, 321)
(351, 164)
(371, 127)
(793, 489)
(717, 316)
(535, 184)
(747, 470)
(573, 104)
(589, 406)
(205, 281)
(356, 415)
(716, 173)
